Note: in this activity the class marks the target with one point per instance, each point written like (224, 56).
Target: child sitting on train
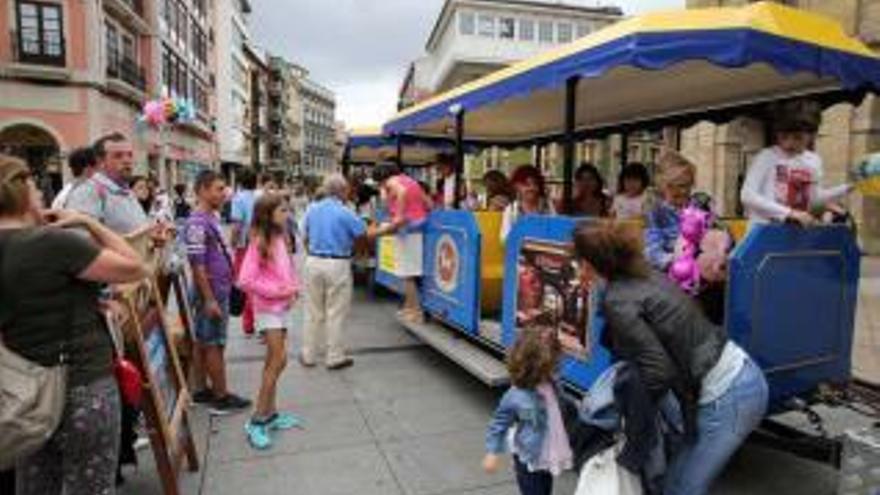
(676, 180)
(531, 198)
(784, 182)
(540, 444)
(631, 201)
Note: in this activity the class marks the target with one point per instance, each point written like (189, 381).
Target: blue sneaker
(258, 435)
(284, 421)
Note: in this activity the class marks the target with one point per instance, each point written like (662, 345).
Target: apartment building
(472, 38)
(318, 129)
(233, 81)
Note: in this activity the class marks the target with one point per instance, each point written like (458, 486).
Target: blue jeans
(723, 426)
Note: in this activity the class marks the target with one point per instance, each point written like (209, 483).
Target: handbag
(32, 399)
(602, 475)
(128, 376)
(237, 298)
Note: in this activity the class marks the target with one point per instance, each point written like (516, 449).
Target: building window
(112, 40)
(545, 32)
(507, 28)
(564, 32)
(466, 23)
(40, 33)
(487, 26)
(583, 29)
(526, 30)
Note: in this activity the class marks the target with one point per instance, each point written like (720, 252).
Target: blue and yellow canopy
(370, 145)
(658, 65)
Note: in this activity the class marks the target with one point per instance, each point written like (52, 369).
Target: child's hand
(802, 218)
(490, 463)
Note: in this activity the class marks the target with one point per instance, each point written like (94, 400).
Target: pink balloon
(154, 112)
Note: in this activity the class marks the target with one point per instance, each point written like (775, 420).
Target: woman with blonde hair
(49, 312)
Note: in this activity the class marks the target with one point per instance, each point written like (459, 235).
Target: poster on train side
(551, 293)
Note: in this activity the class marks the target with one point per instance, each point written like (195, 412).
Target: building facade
(185, 67)
(257, 116)
(472, 38)
(64, 83)
(847, 133)
(318, 128)
(283, 117)
(232, 82)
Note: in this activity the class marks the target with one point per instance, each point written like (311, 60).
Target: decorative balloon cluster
(168, 110)
(701, 250)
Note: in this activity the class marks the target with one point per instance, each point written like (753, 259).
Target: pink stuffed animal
(685, 271)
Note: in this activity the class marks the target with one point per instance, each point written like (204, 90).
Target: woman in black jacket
(650, 322)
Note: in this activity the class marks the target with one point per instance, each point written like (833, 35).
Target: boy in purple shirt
(212, 271)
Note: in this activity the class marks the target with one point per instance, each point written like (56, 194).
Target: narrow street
(404, 420)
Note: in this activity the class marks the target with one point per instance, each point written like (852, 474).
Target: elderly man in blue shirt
(330, 229)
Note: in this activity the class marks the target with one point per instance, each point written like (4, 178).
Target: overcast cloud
(361, 48)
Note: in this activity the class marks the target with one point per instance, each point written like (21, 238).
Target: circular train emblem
(446, 264)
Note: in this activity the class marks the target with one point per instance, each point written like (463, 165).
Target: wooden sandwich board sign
(166, 397)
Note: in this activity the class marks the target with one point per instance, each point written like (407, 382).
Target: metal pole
(569, 144)
(399, 142)
(459, 154)
(624, 149)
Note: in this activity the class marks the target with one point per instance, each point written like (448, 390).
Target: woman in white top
(531, 198)
(784, 182)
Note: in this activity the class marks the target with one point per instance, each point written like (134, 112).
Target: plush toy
(685, 271)
(712, 260)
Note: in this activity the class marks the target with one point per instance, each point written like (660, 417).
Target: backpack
(32, 397)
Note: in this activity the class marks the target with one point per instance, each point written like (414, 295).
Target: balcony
(127, 77)
(130, 12)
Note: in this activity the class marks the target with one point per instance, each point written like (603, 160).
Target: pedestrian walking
(241, 216)
(722, 392)
(540, 446)
(268, 276)
(212, 272)
(330, 232)
(49, 279)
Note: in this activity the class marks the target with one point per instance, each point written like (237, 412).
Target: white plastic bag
(602, 475)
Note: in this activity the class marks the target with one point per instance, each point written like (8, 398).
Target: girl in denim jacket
(539, 442)
(268, 276)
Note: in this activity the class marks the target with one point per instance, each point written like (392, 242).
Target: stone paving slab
(359, 470)
(326, 426)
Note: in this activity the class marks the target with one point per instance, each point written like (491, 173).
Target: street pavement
(404, 420)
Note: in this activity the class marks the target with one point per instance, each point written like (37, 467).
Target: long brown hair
(614, 249)
(264, 229)
(534, 357)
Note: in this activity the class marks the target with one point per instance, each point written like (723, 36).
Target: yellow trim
(372, 131)
(767, 17)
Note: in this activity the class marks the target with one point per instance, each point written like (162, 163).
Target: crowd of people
(108, 226)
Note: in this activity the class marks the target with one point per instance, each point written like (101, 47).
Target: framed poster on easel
(166, 397)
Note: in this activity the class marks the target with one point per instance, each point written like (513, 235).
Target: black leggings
(532, 483)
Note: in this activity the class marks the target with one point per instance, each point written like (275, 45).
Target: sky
(361, 49)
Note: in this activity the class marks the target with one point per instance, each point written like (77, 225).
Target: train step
(475, 360)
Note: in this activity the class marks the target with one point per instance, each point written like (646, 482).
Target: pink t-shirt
(413, 209)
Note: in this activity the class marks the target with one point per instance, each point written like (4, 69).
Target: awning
(370, 145)
(658, 66)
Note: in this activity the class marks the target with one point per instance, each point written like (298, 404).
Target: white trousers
(328, 288)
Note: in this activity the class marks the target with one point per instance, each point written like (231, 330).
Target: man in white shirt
(784, 182)
(82, 163)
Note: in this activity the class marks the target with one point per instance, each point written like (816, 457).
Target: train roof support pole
(398, 141)
(624, 149)
(569, 144)
(458, 113)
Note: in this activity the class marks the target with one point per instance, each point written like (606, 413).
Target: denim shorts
(210, 331)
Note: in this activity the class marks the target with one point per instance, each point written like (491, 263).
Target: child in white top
(630, 202)
(784, 182)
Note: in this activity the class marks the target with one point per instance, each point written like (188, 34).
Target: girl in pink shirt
(267, 275)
